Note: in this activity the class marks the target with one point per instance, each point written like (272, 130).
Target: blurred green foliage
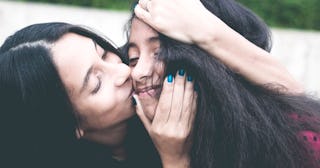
(104, 4)
(302, 14)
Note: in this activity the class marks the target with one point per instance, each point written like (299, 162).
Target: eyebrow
(86, 79)
(153, 39)
(96, 47)
(95, 44)
(149, 40)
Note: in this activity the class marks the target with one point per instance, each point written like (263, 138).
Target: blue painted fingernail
(181, 72)
(134, 5)
(170, 78)
(189, 78)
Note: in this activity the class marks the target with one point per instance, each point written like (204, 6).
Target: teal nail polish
(134, 5)
(170, 78)
(181, 72)
(189, 78)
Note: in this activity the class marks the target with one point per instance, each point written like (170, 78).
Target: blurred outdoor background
(295, 26)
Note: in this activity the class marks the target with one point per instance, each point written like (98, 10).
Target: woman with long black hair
(66, 101)
(244, 119)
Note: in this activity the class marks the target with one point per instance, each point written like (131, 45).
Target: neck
(112, 137)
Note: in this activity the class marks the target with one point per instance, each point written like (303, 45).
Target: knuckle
(159, 22)
(157, 131)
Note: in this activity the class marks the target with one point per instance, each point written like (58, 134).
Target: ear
(79, 133)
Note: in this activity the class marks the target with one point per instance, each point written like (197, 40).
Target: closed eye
(98, 86)
(133, 61)
(156, 54)
(104, 55)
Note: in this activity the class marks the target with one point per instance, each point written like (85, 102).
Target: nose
(116, 71)
(122, 74)
(143, 69)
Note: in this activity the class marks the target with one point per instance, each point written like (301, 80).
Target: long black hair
(38, 121)
(240, 124)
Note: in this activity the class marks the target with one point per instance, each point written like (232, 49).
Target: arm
(171, 127)
(254, 63)
(217, 38)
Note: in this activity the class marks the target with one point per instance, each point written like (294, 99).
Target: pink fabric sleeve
(312, 140)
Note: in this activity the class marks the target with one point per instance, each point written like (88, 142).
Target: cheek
(114, 99)
(99, 104)
(159, 69)
(149, 106)
(107, 98)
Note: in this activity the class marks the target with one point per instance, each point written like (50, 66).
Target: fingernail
(134, 5)
(189, 78)
(170, 78)
(134, 102)
(181, 72)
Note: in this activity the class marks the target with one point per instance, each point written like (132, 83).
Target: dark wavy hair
(37, 118)
(240, 124)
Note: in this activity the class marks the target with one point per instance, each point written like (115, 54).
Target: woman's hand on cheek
(178, 19)
(171, 127)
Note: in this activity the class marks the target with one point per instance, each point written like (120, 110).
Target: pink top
(311, 138)
(313, 142)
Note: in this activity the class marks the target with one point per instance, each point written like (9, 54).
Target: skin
(147, 74)
(244, 57)
(104, 105)
(214, 36)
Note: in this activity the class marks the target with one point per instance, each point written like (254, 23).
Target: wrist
(183, 162)
(210, 31)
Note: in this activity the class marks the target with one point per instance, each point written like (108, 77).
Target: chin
(150, 108)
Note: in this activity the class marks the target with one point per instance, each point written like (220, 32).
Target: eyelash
(156, 53)
(133, 61)
(104, 55)
(98, 86)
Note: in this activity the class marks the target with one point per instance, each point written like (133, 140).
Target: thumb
(139, 110)
(142, 14)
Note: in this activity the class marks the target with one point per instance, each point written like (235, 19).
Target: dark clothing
(140, 151)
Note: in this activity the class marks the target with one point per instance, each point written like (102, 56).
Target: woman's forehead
(73, 54)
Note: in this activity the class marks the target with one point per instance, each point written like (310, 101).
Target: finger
(193, 110)
(142, 14)
(143, 4)
(165, 101)
(178, 96)
(146, 122)
(149, 5)
(188, 101)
